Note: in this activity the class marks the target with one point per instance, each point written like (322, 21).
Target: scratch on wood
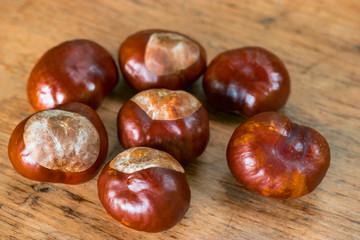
(267, 20)
(34, 201)
(312, 65)
(11, 224)
(101, 229)
(76, 197)
(70, 212)
(228, 224)
(43, 189)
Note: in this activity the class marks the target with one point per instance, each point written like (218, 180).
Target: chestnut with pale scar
(145, 189)
(67, 144)
(171, 121)
(156, 58)
(61, 140)
(167, 53)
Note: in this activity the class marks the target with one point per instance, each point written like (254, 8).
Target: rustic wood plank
(319, 41)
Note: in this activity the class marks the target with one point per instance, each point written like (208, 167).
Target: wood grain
(319, 41)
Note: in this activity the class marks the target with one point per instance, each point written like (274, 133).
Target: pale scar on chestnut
(61, 140)
(164, 104)
(140, 158)
(168, 53)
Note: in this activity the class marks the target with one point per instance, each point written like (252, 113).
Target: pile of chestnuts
(162, 127)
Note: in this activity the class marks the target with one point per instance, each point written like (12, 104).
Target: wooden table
(319, 41)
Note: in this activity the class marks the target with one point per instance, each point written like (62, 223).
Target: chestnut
(74, 71)
(161, 59)
(67, 144)
(172, 121)
(145, 189)
(247, 80)
(276, 157)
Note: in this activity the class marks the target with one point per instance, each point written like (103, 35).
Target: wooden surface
(319, 41)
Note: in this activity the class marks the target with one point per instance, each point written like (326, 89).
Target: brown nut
(67, 144)
(172, 121)
(248, 80)
(276, 157)
(161, 59)
(74, 71)
(144, 189)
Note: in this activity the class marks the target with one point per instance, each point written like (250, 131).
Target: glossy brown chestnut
(67, 144)
(248, 80)
(74, 71)
(172, 121)
(144, 189)
(270, 154)
(161, 59)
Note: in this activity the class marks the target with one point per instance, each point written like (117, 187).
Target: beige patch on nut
(140, 158)
(164, 104)
(168, 53)
(61, 140)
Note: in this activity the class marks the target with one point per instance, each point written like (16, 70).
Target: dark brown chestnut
(247, 80)
(67, 144)
(74, 71)
(271, 155)
(144, 189)
(172, 121)
(161, 59)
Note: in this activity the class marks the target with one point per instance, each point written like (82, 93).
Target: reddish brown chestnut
(270, 154)
(144, 189)
(248, 80)
(74, 71)
(63, 145)
(161, 59)
(172, 121)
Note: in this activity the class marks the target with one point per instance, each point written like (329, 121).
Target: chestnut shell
(156, 201)
(247, 80)
(185, 138)
(74, 71)
(131, 62)
(28, 168)
(271, 155)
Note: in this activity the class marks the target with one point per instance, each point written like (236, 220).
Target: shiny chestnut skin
(276, 157)
(145, 189)
(67, 144)
(161, 59)
(74, 71)
(247, 80)
(172, 121)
